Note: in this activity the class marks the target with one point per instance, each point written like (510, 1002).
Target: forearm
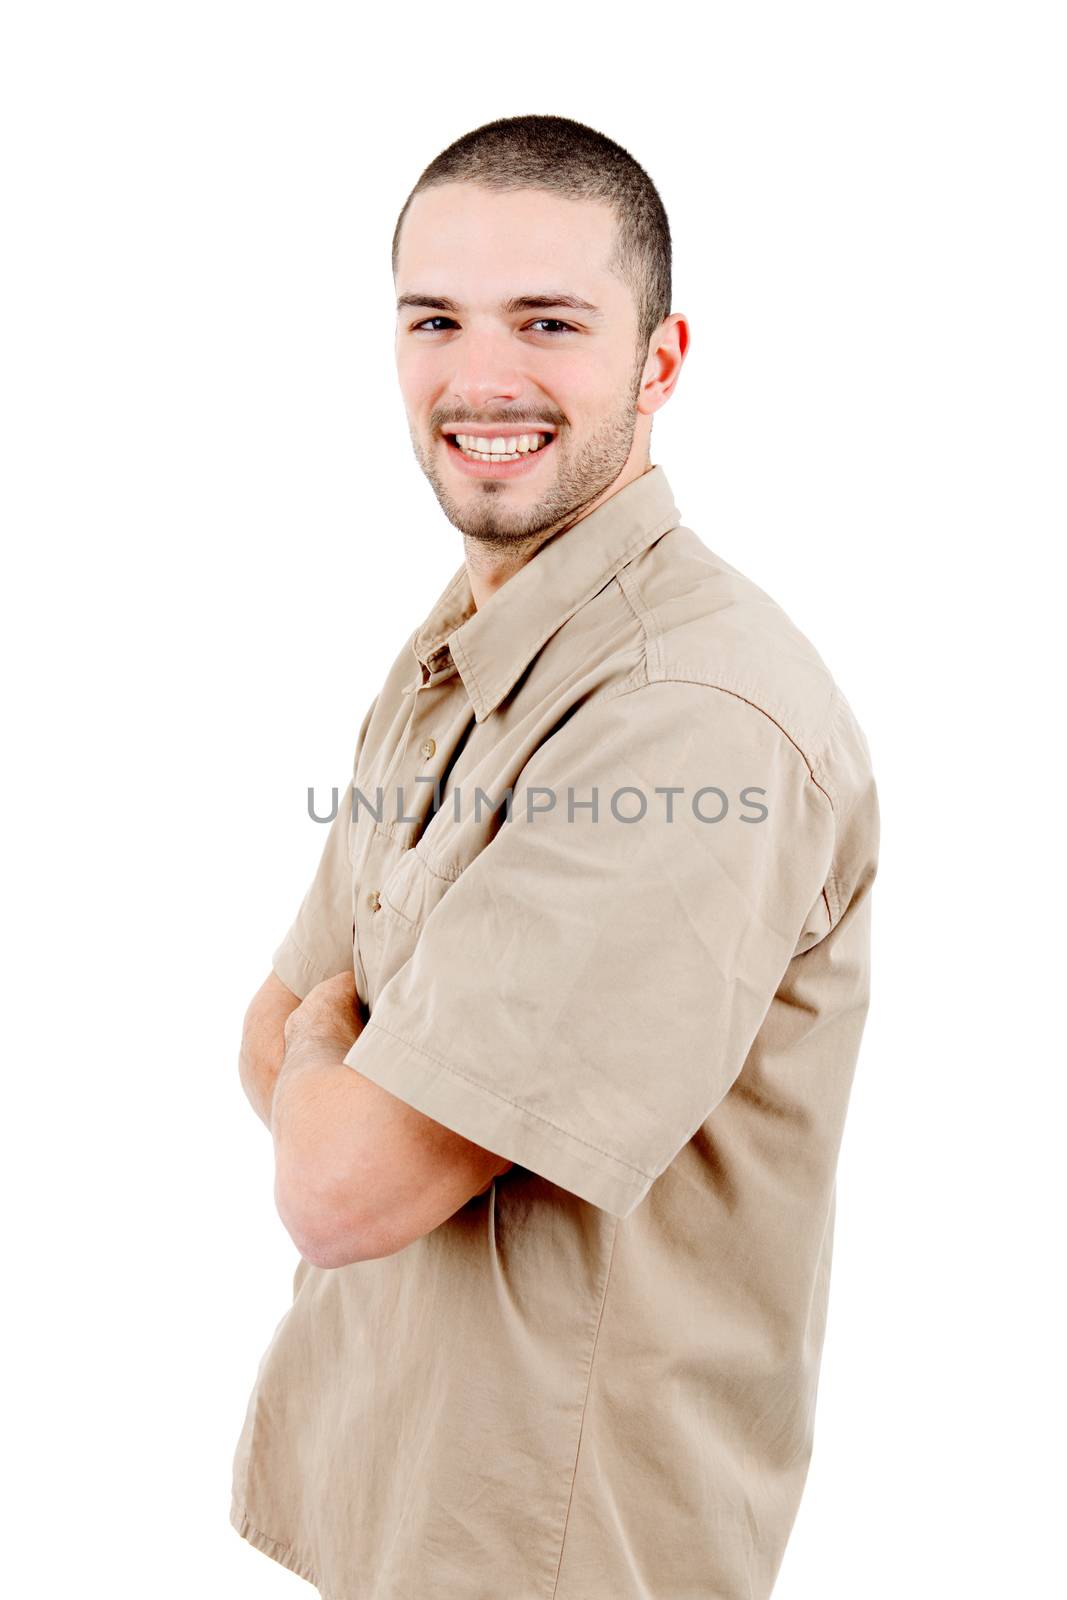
(358, 1171)
(317, 1123)
(263, 1044)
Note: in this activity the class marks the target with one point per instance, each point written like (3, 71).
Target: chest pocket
(407, 896)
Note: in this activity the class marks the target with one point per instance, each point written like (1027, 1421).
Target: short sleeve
(318, 944)
(588, 988)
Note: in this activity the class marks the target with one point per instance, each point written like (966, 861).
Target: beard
(581, 476)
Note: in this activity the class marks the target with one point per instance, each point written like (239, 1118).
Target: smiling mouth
(501, 448)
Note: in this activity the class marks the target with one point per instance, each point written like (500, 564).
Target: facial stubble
(490, 524)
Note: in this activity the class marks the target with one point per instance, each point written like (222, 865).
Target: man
(556, 1076)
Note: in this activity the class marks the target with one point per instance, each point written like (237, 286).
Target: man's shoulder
(706, 622)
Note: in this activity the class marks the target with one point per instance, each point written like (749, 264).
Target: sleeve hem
(295, 970)
(495, 1122)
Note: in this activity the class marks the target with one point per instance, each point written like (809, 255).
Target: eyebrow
(521, 302)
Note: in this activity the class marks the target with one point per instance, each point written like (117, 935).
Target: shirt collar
(493, 646)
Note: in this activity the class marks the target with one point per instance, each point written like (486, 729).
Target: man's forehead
(512, 236)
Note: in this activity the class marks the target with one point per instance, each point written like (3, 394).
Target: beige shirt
(597, 1380)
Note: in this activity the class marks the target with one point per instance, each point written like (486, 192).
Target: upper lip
(497, 430)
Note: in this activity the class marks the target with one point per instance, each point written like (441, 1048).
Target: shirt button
(374, 900)
(428, 747)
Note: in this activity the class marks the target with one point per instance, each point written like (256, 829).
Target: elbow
(324, 1232)
(327, 1250)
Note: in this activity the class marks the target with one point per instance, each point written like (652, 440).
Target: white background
(217, 537)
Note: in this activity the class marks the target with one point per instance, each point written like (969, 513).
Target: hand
(328, 1015)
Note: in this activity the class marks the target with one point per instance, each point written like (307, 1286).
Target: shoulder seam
(640, 679)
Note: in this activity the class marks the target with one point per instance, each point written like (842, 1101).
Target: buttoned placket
(418, 770)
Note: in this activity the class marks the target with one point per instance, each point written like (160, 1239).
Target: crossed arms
(359, 1173)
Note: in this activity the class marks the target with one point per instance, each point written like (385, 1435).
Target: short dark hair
(569, 159)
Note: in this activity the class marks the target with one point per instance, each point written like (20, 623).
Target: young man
(557, 1051)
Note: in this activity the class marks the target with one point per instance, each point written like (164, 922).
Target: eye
(421, 327)
(551, 326)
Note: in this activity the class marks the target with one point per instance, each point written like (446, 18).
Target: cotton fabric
(597, 1380)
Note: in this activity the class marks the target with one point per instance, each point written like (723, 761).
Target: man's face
(473, 360)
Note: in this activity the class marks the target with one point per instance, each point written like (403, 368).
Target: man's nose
(486, 370)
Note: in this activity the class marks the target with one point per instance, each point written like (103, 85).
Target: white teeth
(500, 449)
